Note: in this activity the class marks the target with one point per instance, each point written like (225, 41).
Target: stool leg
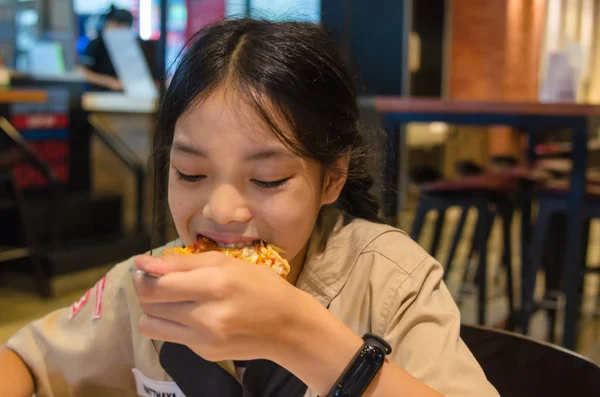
(554, 281)
(530, 269)
(437, 234)
(474, 241)
(585, 236)
(456, 239)
(423, 208)
(584, 241)
(491, 214)
(473, 247)
(476, 233)
(507, 217)
(553, 258)
(488, 232)
(486, 219)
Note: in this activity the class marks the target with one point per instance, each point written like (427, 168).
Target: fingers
(179, 312)
(169, 288)
(177, 262)
(200, 284)
(206, 315)
(202, 342)
(166, 330)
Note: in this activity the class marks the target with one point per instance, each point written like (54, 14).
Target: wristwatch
(363, 368)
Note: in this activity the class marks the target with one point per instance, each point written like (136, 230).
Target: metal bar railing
(32, 158)
(128, 158)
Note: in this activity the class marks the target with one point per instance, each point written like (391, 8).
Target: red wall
(202, 13)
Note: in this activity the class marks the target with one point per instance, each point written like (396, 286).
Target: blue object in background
(276, 10)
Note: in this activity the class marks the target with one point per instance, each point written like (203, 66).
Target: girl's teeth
(227, 245)
(236, 245)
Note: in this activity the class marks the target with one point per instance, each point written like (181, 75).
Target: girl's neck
(296, 266)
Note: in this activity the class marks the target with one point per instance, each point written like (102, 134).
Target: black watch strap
(363, 368)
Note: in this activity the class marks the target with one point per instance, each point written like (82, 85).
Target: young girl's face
(233, 181)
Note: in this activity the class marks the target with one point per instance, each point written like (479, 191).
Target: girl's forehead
(230, 116)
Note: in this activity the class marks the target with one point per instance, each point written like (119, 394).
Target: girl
(258, 139)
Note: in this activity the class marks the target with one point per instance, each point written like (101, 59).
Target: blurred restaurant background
(492, 160)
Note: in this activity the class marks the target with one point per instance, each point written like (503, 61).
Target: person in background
(96, 65)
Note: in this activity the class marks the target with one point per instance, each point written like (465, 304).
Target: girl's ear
(334, 180)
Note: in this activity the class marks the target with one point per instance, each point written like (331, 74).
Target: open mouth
(251, 250)
(243, 244)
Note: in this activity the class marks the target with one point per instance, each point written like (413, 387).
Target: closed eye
(189, 178)
(270, 184)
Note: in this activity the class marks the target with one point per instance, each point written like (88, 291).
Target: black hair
(118, 15)
(286, 70)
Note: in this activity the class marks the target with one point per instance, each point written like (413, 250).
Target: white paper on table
(129, 62)
(560, 80)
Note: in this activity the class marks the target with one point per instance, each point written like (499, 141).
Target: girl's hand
(220, 307)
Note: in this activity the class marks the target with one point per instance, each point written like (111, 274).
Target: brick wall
(494, 51)
(477, 49)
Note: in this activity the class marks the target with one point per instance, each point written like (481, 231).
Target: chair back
(519, 366)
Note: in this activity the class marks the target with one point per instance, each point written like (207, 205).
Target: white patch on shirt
(147, 387)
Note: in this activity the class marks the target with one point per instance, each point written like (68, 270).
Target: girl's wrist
(315, 346)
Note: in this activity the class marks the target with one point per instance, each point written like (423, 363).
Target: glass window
(306, 10)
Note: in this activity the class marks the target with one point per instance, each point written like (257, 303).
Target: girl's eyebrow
(182, 147)
(268, 153)
(261, 154)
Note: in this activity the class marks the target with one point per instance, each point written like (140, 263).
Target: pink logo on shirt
(99, 294)
(77, 306)
(100, 285)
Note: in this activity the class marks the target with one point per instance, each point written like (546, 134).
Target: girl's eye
(189, 178)
(270, 184)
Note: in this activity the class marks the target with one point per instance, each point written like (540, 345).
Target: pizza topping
(259, 253)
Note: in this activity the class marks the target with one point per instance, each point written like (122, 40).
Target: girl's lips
(229, 241)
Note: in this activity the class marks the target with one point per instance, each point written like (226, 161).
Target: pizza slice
(259, 253)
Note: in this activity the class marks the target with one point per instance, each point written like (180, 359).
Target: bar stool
(13, 150)
(491, 195)
(424, 175)
(548, 252)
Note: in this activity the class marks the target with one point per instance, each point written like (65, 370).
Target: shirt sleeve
(90, 54)
(86, 349)
(424, 331)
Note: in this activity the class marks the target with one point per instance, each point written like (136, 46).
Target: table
(116, 102)
(23, 96)
(532, 118)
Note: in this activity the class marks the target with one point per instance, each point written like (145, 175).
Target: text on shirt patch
(154, 393)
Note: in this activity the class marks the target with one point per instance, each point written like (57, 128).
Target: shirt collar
(333, 250)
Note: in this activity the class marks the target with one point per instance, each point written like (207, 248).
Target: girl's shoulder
(338, 235)
(343, 248)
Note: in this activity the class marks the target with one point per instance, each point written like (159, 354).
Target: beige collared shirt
(371, 276)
